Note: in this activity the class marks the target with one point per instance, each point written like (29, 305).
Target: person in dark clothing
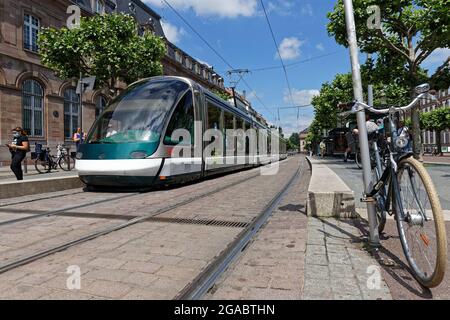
(18, 148)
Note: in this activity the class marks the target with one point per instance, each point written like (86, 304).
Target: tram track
(64, 210)
(4, 205)
(207, 278)
(105, 231)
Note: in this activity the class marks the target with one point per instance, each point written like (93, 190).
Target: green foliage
(294, 140)
(222, 94)
(106, 46)
(436, 120)
(340, 90)
(411, 31)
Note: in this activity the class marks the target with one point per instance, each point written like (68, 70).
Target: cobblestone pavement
(319, 259)
(272, 265)
(337, 267)
(149, 260)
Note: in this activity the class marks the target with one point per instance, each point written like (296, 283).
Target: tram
(164, 130)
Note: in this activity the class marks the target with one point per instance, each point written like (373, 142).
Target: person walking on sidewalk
(18, 148)
(78, 138)
(322, 148)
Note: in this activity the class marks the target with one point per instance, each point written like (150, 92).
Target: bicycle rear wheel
(420, 223)
(66, 163)
(42, 166)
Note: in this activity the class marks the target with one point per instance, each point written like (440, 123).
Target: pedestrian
(322, 148)
(18, 148)
(78, 138)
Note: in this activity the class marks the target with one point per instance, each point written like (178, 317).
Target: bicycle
(402, 187)
(45, 161)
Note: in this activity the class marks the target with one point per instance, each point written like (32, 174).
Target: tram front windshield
(138, 115)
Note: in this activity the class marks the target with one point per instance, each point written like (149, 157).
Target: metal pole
(370, 95)
(81, 103)
(361, 118)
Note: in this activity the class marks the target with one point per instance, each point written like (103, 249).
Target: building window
(188, 63)
(31, 26)
(71, 112)
(98, 6)
(178, 57)
(33, 107)
(100, 105)
(198, 70)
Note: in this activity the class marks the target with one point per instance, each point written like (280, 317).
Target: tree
(437, 120)
(106, 46)
(411, 31)
(294, 139)
(340, 90)
(222, 94)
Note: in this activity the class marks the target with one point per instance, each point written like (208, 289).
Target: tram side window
(215, 122)
(182, 118)
(229, 125)
(239, 141)
(247, 138)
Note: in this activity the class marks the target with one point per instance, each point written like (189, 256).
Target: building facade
(429, 137)
(31, 96)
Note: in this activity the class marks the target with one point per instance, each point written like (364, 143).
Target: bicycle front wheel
(66, 163)
(42, 166)
(420, 223)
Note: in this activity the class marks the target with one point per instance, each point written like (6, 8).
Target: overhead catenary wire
(217, 53)
(279, 53)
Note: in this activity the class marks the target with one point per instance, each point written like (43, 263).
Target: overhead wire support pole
(374, 239)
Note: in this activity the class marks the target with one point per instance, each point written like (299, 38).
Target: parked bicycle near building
(402, 187)
(45, 161)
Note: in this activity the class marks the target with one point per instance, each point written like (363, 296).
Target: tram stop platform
(35, 183)
(328, 195)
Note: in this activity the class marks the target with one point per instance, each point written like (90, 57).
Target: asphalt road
(352, 176)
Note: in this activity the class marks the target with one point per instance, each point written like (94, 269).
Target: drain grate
(203, 222)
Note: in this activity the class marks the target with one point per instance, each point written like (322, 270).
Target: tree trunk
(417, 141)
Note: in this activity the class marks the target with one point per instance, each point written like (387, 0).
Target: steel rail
(44, 253)
(205, 280)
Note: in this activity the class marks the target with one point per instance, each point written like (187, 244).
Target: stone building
(31, 96)
(429, 137)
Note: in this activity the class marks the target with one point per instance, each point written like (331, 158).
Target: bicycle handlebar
(360, 106)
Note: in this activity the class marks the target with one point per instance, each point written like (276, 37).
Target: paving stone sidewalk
(337, 267)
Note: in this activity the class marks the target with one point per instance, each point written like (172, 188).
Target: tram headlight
(138, 155)
(401, 142)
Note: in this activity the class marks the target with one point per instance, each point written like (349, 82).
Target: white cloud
(300, 97)
(320, 47)
(281, 7)
(290, 48)
(173, 33)
(220, 8)
(291, 124)
(437, 57)
(307, 10)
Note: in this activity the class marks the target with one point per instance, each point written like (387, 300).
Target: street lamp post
(374, 240)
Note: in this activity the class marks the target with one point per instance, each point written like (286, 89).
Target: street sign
(88, 84)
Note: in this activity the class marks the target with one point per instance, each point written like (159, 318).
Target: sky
(238, 31)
